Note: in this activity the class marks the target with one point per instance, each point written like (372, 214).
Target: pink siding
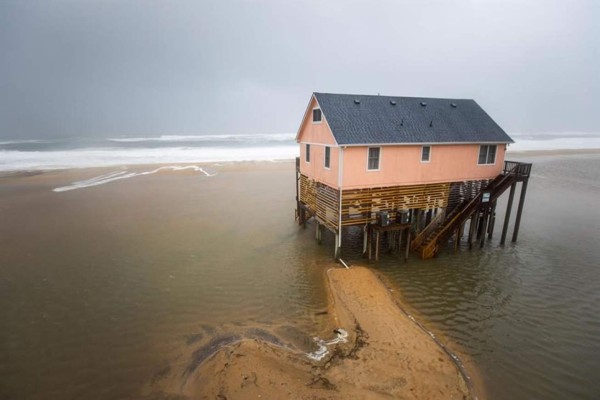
(314, 132)
(318, 136)
(401, 165)
(316, 168)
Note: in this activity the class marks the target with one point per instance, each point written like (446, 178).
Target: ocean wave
(118, 175)
(85, 158)
(554, 141)
(23, 141)
(262, 137)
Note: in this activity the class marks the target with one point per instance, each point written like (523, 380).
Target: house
(361, 155)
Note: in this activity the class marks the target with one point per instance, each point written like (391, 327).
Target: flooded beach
(103, 287)
(107, 289)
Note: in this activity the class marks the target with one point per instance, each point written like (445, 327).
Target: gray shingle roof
(376, 121)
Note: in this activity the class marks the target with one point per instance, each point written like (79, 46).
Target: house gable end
(318, 133)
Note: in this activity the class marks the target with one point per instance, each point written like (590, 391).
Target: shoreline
(387, 353)
(244, 164)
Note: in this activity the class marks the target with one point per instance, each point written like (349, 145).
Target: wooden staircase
(435, 236)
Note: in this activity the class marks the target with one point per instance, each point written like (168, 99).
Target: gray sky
(106, 68)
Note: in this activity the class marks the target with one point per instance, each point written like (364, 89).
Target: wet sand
(386, 356)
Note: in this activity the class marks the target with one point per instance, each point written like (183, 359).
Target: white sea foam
(554, 141)
(323, 350)
(105, 157)
(278, 137)
(117, 175)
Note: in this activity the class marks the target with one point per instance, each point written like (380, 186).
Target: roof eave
(422, 143)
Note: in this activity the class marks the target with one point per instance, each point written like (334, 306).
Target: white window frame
(312, 116)
(325, 157)
(487, 154)
(307, 153)
(429, 155)
(378, 160)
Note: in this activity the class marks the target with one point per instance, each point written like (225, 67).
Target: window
(327, 156)
(308, 153)
(317, 115)
(487, 154)
(373, 163)
(425, 154)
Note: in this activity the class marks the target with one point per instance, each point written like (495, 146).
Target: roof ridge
(379, 119)
(392, 96)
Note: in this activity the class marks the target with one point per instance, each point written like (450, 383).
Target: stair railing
(416, 242)
(466, 212)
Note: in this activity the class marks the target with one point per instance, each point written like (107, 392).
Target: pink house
(417, 161)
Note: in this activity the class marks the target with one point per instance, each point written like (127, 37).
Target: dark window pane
(316, 115)
(425, 153)
(308, 153)
(327, 156)
(373, 158)
(491, 159)
(482, 154)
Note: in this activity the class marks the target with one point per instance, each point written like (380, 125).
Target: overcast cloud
(106, 68)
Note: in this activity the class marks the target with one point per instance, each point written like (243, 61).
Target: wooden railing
(416, 242)
(512, 170)
(518, 168)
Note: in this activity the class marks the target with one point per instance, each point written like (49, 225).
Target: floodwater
(528, 315)
(105, 290)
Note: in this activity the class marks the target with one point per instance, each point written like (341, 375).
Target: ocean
(46, 154)
(168, 149)
(115, 277)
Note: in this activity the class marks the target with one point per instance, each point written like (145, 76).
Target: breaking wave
(271, 137)
(11, 160)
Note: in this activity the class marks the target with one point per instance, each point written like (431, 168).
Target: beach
(116, 280)
(386, 355)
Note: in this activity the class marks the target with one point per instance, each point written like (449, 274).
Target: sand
(386, 356)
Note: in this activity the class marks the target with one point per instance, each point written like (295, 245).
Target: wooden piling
(472, 230)
(520, 210)
(318, 232)
(508, 210)
(365, 240)
(377, 246)
(484, 223)
(407, 244)
(457, 239)
(492, 221)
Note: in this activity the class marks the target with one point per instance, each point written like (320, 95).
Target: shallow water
(103, 288)
(526, 314)
(107, 290)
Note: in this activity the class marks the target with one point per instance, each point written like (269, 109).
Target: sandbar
(387, 355)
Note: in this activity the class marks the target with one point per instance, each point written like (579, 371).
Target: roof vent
(423, 104)
(393, 102)
(431, 123)
(402, 122)
(356, 101)
(453, 105)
